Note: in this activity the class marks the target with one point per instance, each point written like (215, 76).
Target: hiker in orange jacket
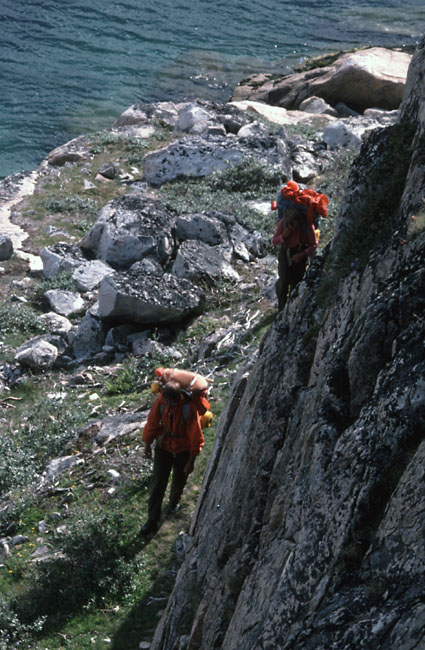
(173, 422)
(297, 240)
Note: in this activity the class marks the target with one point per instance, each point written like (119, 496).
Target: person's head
(292, 217)
(171, 393)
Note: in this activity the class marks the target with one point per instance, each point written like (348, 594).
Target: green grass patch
(227, 191)
(33, 439)
(18, 320)
(103, 581)
(61, 281)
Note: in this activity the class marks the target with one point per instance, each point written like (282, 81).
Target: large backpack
(205, 419)
(199, 397)
(312, 204)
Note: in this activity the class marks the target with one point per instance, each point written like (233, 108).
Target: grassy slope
(109, 587)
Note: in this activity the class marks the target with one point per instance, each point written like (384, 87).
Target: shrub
(126, 381)
(62, 281)
(94, 566)
(250, 178)
(14, 633)
(134, 374)
(219, 194)
(71, 204)
(25, 451)
(16, 318)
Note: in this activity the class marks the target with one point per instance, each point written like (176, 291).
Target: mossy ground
(110, 587)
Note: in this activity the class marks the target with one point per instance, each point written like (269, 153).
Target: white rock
(64, 302)
(37, 354)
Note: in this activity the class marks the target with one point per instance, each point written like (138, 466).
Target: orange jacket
(185, 427)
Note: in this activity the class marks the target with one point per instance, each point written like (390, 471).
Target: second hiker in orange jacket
(297, 240)
(174, 424)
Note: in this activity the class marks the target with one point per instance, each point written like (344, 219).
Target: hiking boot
(149, 528)
(172, 509)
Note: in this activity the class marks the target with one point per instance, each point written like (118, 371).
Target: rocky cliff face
(309, 529)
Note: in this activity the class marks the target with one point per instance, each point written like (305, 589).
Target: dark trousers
(289, 276)
(163, 463)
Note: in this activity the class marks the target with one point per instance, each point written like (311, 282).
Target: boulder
(89, 337)
(182, 116)
(129, 229)
(305, 166)
(133, 115)
(194, 119)
(148, 299)
(59, 465)
(193, 156)
(144, 113)
(110, 170)
(64, 302)
(148, 266)
(89, 275)
(242, 240)
(60, 258)
(72, 151)
(199, 262)
(37, 354)
(317, 105)
(118, 426)
(351, 132)
(254, 129)
(343, 134)
(140, 343)
(6, 247)
(117, 337)
(202, 227)
(373, 77)
(279, 115)
(55, 323)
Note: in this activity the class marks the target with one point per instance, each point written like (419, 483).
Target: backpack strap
(186, 417)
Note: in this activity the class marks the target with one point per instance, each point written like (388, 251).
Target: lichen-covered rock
(71, 152)
(6, 247)
(55, 323)
(129, 229)
(89, 337)
(60, 258)
(200, 263)
(88, 275)
(194, 119)
(66, 303)
(37, 354)
(202, 227)
(148, 299)
(194, 156)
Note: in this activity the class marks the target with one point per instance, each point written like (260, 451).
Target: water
(72, 67)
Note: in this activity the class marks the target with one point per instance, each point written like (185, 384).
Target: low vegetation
(100, 585)
(93, 583)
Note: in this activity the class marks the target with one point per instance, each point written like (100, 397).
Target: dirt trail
(24, 188)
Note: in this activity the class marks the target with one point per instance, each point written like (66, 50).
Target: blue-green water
(72, 67)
